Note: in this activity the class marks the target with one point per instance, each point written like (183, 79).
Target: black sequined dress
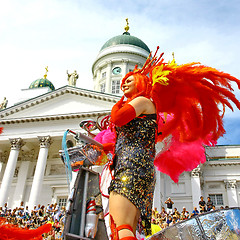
(134, 175)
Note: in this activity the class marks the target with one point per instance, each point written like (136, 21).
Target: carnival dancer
(131, 190)
(176, 104)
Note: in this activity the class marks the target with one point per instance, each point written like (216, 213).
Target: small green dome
(42, 82)
(126, 38)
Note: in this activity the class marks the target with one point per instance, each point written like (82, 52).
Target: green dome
(42, 82)
(126, 38)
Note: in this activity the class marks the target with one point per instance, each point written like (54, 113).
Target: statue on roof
(45, 75)
(4, 103)
(72, 78)
(127, 26)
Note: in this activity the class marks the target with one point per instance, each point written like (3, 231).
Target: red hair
(142, 83)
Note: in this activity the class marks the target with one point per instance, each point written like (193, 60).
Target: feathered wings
(192, 94)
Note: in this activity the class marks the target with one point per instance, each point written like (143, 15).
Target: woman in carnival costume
(177, 105)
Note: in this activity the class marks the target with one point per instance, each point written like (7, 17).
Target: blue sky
(68, 34)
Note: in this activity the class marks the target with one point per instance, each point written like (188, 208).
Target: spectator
(176, 212)
(202, 205)
(164, 225)
(1, 212)
(27, 212)
(55, 208)
(155, 209)
(21, 208)
(174, 221)
(159, 222)
(163, 214)
(45, 219)
(155, 227)
(195, 212)
(184, 214)
(51, 220)
(56, 225)
(153, 214)
(169, 220)
(38, 207)
(169, 203)
(41, 211)
(158, 217)
(60, 235)
(5, 208)
(213, 208)
(58, 215)
(34, 211)
(209, 204)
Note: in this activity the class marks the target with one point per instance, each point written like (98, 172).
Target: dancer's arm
(123, 113)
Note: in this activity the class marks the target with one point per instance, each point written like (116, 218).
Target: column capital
(45, 141)
(230, 184)
(196, 172)
(16, 143)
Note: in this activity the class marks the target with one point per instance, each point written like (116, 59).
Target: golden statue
(4, 103)
(45, 75)
(127, 27)
(72, 78)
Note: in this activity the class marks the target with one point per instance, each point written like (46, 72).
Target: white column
(39, 171)
(196, 187)
(108, 77)
(157, 192)
(231, 186)
(16, 144)
(21, 183)
(125, 67)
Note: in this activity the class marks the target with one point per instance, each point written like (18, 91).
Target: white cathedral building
(31, 169)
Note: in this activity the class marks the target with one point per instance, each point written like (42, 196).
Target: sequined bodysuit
(134, 175)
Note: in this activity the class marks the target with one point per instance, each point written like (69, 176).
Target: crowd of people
(170, 216)
(24, 218)
(52, 213)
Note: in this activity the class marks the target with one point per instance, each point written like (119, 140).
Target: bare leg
(123, 212)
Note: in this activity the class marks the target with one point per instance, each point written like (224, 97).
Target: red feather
(193, 95)
(11, 232)
(191, 98)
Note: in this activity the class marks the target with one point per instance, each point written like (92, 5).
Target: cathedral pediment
(65, 102)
